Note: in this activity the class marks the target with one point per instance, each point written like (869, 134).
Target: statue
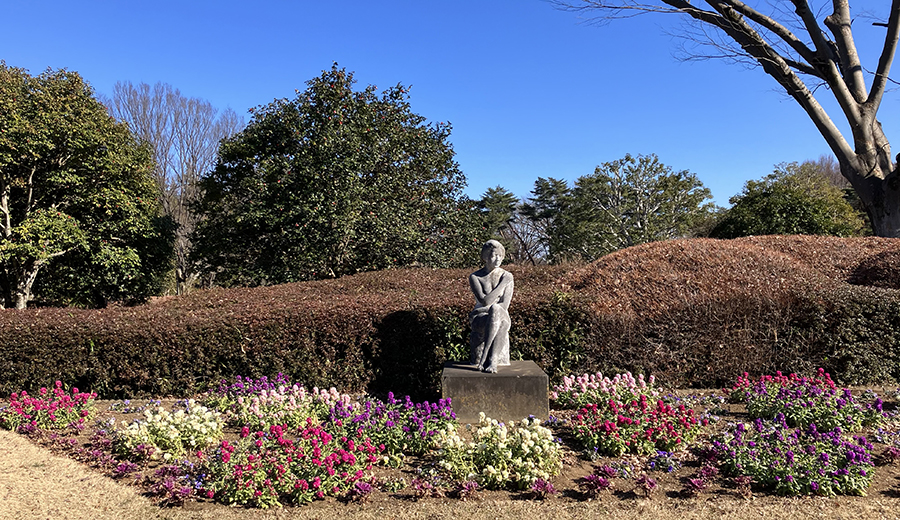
(493, 290)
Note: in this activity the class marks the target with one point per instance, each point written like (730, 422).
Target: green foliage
(77, 203)
(623, 203)
(498, 209)
(796, 199)
(333, 182)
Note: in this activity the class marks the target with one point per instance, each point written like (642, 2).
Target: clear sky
(531, 91)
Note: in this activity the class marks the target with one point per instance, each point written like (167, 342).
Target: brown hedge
(691, 312)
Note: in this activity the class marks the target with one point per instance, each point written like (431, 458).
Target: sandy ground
(34, 483)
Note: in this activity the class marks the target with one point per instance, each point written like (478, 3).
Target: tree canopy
(796, 199)
(626, 202)
(334, 182)
(802, 48)
(77, 203)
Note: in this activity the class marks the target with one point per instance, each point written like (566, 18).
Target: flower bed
(623, 415)
(796, 461)
(619, 435)
(52, 408)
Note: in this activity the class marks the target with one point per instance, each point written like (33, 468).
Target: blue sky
(531, 91)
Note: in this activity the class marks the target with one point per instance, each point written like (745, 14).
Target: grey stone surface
(493, 289)
(512, 394)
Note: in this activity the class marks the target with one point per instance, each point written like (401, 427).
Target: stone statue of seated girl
(493, 290)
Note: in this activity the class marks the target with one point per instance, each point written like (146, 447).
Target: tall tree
(625, 202)
(334, 182)
(502, 214)
(544, 210)
(76, 195)
(802, 48)
(184, 134)
(498, 209)
(796, 199)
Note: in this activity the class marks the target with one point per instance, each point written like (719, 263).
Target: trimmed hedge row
(393, 330)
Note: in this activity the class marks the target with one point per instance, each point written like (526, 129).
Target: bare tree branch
(886, 58)
(184, 134)
(808, 42)
(778, 29)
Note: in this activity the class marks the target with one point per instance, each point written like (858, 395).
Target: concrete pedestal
(512, 394)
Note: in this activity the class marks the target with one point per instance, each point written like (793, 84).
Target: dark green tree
(334, 182)
(625, 202)
(545, 210)
(796, 199)
(502, 215)
(77, 203)
(498, 209)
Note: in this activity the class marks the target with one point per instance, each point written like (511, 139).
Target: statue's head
(489, 248)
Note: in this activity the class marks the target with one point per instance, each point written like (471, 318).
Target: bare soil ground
(36, 483)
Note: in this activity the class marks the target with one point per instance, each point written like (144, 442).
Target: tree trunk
(21, 292)
(881, 199)
(5, 293)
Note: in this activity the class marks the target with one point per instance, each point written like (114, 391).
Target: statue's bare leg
(494, 325)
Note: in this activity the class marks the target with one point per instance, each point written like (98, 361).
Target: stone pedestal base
(512, 394)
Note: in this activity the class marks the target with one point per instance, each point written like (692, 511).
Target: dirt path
(34, 483)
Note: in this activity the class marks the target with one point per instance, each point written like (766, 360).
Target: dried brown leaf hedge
(692, 312)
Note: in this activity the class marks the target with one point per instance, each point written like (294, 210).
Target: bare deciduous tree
(527, 239)
(803, 46)
(184, 134)
(829, 168)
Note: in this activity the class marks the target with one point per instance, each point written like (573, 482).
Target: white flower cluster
(172, 434)
(501, 455)
(290, 406)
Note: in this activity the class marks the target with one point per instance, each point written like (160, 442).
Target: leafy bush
(796, 199)
(692, 313)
